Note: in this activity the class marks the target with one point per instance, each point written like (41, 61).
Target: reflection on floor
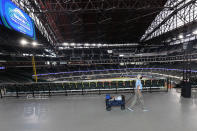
(167, 112)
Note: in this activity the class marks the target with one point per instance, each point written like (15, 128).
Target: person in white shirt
(138, 97)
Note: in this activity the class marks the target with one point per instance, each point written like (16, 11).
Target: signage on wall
(2, 68)
(14, 18)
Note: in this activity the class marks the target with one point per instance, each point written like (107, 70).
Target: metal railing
(80, 87)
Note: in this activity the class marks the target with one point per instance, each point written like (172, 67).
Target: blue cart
(112, 101)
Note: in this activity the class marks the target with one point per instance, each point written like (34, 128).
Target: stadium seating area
(99, 87)
(67, 73)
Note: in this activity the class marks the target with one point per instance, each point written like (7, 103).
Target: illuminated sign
(14, 18)
(2, 68)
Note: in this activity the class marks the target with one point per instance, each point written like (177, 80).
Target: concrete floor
(168, 112)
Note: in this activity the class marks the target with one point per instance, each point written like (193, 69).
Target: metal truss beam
(133, 60)
(45, 13)
(184, 12)
(46, 30)
(51, 20)
(73, 6)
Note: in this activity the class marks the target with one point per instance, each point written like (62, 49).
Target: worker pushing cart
(138, 97)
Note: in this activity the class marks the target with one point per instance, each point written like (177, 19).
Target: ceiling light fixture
(34, 43)
(181, 36)
(23, 42)
(72, 44)
(99, 45)
(65, 44)
(195, 32)
(86, 44)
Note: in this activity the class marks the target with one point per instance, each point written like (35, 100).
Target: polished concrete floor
(167, 112)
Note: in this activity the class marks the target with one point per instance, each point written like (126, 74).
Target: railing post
(33, 90)
(65, 89)
(49, 91)
(116, 87)
(151, 87)
(16, 91)
(167, 84)
(82, 91)
(1, 92)
(170, 83)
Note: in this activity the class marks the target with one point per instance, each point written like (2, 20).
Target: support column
(186, 85)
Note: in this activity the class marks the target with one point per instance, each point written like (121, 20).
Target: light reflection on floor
(167, 111)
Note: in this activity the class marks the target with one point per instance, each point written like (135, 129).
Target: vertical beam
(186, 87)
(1, 92)
(34, 68)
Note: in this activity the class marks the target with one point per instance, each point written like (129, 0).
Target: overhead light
(24, 42)
(65, 44)
(121, 64)
(121, 55)
(86, 44)
(61, 48)
(195, 32)
(93, 44)
(134, 44)
(99, 45)
(174, 38)
(181, 36)
(109, 51)
(72, 44)
(34, 43)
